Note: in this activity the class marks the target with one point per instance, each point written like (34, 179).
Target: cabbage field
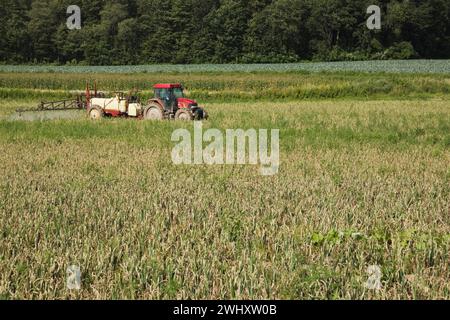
(399, 66)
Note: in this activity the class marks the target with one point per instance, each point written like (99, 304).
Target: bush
(269, 58)
(400, 51)
(338, 54)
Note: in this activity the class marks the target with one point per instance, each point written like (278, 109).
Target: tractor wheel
(185, 115)
(153, 112)
(201, 114)
(96, 113)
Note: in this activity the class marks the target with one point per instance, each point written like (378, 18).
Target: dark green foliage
(119, 32)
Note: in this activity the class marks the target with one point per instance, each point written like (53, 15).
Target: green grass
(317, 123)
(360, 183)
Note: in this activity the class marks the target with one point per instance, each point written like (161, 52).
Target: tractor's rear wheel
(153, 112)
(185, 115)
(96, 113)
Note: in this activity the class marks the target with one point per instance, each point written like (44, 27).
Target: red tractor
(169, 103)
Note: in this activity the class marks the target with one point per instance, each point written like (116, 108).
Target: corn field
(364, 181)
(213, 87)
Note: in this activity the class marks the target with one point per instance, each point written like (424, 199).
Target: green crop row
(226, 86)
(398, 66)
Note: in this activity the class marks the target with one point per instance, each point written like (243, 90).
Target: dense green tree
(202, 44)
(42, 27)
(278, 32)
(15, 40)
(222, 31)
(229, 21)
(426, 25)
(127, 42)
(158, 45)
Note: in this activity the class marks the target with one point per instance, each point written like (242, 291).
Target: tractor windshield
(178, 92)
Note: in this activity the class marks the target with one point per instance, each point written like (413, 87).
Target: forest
(119, 32)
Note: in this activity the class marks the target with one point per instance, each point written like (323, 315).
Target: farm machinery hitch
(71, 104)
(80, 102)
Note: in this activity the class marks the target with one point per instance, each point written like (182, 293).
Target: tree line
(118, 32)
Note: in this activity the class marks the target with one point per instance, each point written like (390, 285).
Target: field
(364, 180)
(398, 66)
(233, 86)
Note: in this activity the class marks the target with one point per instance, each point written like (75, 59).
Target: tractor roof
(167, 85)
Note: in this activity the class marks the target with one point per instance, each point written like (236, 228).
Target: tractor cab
(172, 96)
(169, 94)
(164, 91)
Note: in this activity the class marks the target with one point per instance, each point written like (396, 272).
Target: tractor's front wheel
(185, 115)
(96, 113)
(153, 112)
(201, 114)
